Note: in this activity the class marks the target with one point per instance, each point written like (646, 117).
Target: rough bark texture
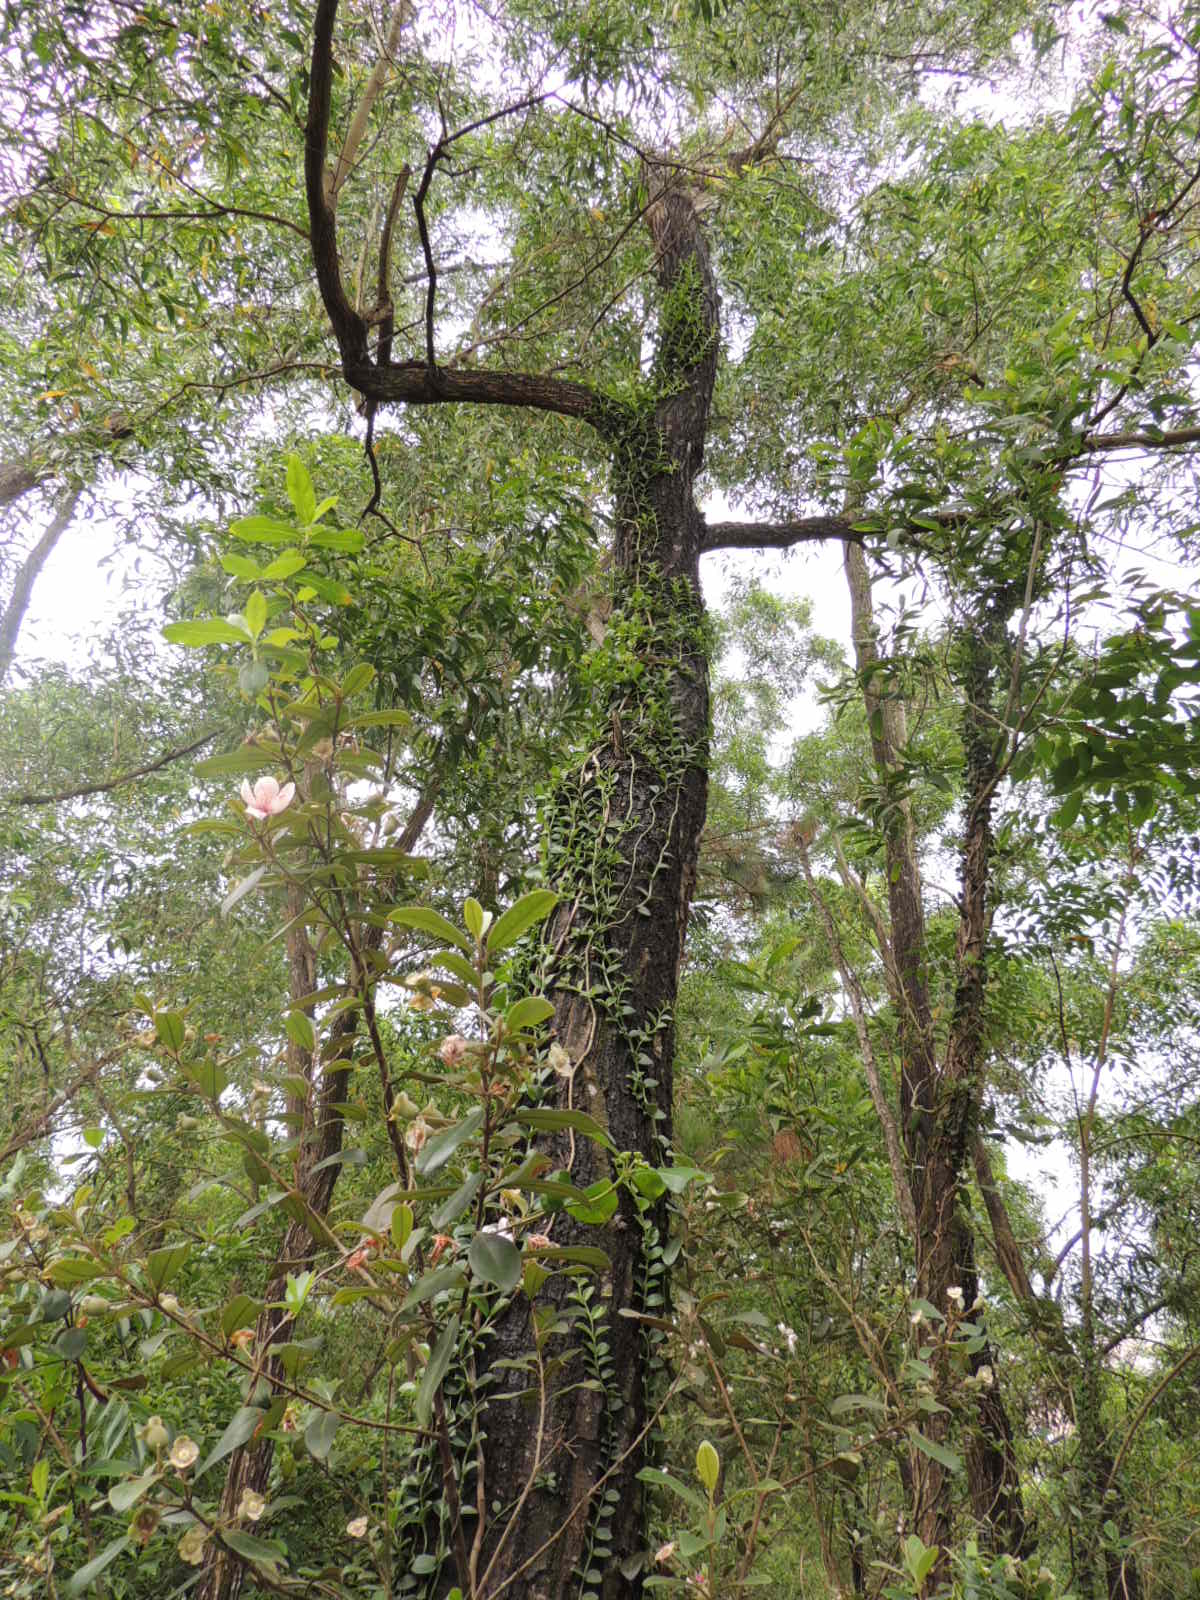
(543, 1492)
(622, 851)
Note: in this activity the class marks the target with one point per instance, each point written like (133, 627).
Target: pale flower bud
(955, 1296)
(416, 1135)
(251, 1505)
(357, 1528)
(664, 1553)
(144, 1524)
(559, 1061)
(154, 1435)
(169, 1303)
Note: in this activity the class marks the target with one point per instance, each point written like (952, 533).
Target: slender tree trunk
(28, 573)
(560, 1466)
(939, 1101)
(321, 1125)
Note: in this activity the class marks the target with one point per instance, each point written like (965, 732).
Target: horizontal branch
(44, 460)
(105, 785)
(17, 478)
(777, 535)
(412, 383)
(1141, 439)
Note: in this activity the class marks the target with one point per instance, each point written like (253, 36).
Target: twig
(110, 783)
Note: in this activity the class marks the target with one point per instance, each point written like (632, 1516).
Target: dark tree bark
(622, 852)
(550, 1482)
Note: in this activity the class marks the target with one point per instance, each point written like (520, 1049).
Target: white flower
(955, 1296)
(917, 1318)
(789, 1335)
(559, 1061)
(266, 799)
(357, 1529)
(251, 1506)
(416, 1135)
(184, 1453)
(504, 1228)
(664, 1553)
(985, 1376)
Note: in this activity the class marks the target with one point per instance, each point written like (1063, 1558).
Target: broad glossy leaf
(239, 1430)
(215, 630)
(495, 1259)
(425, 920)
(530, 908)
(547, 1121)
(442, 1146)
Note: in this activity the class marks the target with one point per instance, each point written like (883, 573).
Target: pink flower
(266, 799)
(452, 1049)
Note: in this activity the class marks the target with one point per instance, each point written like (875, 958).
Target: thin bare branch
(108, 784)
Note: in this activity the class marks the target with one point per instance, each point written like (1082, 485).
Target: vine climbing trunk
(537, 1460)
(560, 1460)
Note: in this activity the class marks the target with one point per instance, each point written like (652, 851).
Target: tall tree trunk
(28, 573)
(939, 1101)
(545, 1486)
(560, 1473)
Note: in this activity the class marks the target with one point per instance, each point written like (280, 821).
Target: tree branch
(358, 126)
(778, 535)
(1140, 439)
(110, 783)
(858, 1011)
(18, 477)
(30, 570)
(409, 382)
(349, 328)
